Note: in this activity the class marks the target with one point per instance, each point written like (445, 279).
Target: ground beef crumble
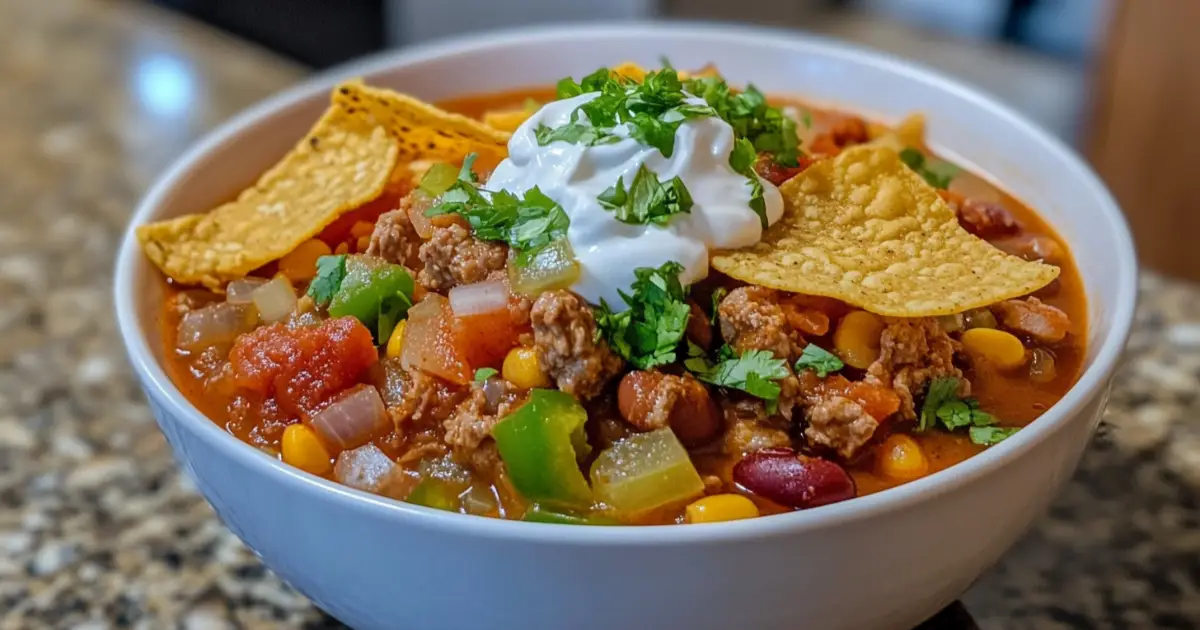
(1033, 318)
(394, 239)
(568, 347)
(839, 424)
(469, 427)
(912, 352)
(752, 318)
(454, 257)
(748, 428)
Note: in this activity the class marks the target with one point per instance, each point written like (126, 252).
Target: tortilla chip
(634, 71)
(909, 133)
(863, 228)
(347, 160)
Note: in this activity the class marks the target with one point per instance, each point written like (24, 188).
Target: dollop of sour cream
(608, 250)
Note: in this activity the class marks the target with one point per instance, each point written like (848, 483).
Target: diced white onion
(352, 419)
(481, 297)
(239, 291)
(365, 468)
(275, 300)
(422, 224)
(214, 325)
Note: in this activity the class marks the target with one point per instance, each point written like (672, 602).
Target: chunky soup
(542, 333)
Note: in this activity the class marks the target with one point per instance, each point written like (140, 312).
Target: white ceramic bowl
(884, 561)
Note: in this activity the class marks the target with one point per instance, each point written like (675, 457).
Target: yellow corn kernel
(856, 340)
(300, 264)
(363, 243)
(521, 369)
(304, 450)
(342, 248)
(361, 229)
(901, 458)
(721, 507)
(996, 346)
(395, 344)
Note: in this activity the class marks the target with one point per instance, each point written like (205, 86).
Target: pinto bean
(797, 481)
(652, 400)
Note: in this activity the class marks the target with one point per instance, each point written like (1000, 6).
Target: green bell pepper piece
(539, 514)
(375, 292)
(541, 444)
(435, 493)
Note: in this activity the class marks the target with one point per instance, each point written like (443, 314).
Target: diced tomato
(485, 339)
(807, 320)
(302, 368)
(878, 400)
(770, 170)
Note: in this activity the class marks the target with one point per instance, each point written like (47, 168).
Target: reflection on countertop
(99, 527)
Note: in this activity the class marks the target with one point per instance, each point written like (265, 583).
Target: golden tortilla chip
(346, 160)
(864, 228)
(909, 133)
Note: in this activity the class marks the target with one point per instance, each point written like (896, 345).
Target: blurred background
(1098, 73)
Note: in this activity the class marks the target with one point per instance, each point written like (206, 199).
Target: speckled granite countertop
(97, 527)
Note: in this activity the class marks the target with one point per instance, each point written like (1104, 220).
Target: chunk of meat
(303, 368)
(985, 219)
(651, 400)
(424, 401)
(453, 257)
(394, 238)
(753, 318)
(469, 427)
(839, 424)
(847, 131)
(519, 304)
(748, 428)
(911, 353)
(1033, 317)
(568, 347)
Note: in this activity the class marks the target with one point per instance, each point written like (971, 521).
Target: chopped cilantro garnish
(466, 174)
(819, 360)
(741, 160)
(392, 309)
(651, 110)
(988, 436)
(574, 133)
(938, 176)
(755, 372)
(943, 406)
(525, 223)
(648, 333)
(718, 294)
(648, 200)
(751, 117)
(484, 373)
(331, 270)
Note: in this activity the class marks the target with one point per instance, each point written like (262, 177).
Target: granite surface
(97, 527)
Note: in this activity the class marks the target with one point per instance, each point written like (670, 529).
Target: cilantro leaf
(742, 160)
(525, 223)
(331, 270)
(648, 200)
(765, 126)
(989, 436)
(755, 372)
(941, 391)
(819, 360)
(574, 133)
(484, 373)
(648, 333)
(465, 174)
(954, 414)
(938, 176)
(392, 309)
(718, 294)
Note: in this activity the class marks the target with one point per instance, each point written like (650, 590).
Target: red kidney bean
(797, 481)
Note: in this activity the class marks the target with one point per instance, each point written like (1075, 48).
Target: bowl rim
(159, 387)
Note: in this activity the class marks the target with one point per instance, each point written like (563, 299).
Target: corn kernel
(901, 458)
(720, 507)
(856, 340)
(342, 248)
(395, 344)
(363, 243)
(300, 264)
(521, 369)
(999, 347)
(303, 449)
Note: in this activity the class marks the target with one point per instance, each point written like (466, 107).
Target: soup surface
(507, 394)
